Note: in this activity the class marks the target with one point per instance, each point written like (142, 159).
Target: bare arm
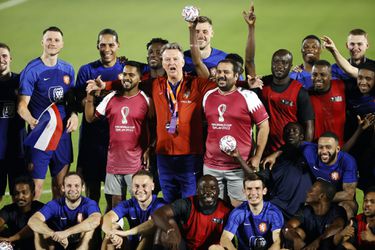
(250, 44)
(89, 105)
(38, 225)
(237, 156)
(347, 194)
(363, 124)
(24, 233)
(226, 240)
(24, 112)
(108, 220)
(89, 224)
(200, 67)
(340, 60)
(309, 130)
(261, 141)
(276, 240)
(141, 228)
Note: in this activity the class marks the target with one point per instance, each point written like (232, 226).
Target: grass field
(280, 24)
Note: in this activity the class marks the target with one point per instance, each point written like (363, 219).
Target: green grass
(280, 24)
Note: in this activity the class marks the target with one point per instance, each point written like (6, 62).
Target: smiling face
(207, 191)
(173, 61)
(23, 196)
(328, 149)
(321, 78)
(357, 46)
(130, 78)
(204, 34)
(72, 188)
(142, 187)
(108, 47)
(293, 134)
(225, 77)
(52, 43)
(5, 60)
(310, 50)
(154, 56)
(254, 191)
(365, 81)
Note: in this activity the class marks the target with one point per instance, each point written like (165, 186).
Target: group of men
(291, 182)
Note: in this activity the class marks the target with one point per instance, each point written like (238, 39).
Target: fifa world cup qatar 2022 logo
(124, 113)
(221, 109)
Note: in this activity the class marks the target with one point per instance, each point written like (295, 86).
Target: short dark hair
(254, 177)
(283, 51)
(74, 173)
(143, 172)
(24, 179)
(173, 45)
(204, 19)
(314, 37)
(135, 64)
(238, 59)
(107, 32)
(370, 189)
(330, 134)
(322, 63)
(358, 32)
(156, 40)
(4, 46)
(327, 188)
(369, 65)
(54, 29)
(237, 69)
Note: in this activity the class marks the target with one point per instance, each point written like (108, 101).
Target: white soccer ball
(190, 13)
(228, 143)
(5, 245)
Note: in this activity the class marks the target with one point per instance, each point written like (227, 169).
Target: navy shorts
(57, 159)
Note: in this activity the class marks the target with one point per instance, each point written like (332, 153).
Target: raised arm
(24, 112)
(340, 60)
(250, 18)
(366, 123)
(200, 67)
(89, 102)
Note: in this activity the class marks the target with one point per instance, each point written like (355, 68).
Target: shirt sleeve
(181, 209)
(350, 169)
(91, 207)
(305, 110)
(4, 214)
(277, 219)
(122, 209)
(236, 218)
(27, 80)
(102, 107)
(49, 209)
(256, 108)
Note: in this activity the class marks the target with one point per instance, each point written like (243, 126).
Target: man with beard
(16, 215)
(311, 49)
(315, 225)
(360, 233)
(136, 210)
(256, 223)
(225, 117)
(68, 222)
(286, 101)
(12, 127)
(127, 111)
(93, 140)
(195, 222)
(154, 58)
(210, 56)
(328, 100)
(327, 162)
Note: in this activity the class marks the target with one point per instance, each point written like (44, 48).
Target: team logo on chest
(66, 79)
(262, 227)
(217, 220)
(334, 176)
(221, 109)
(124, 112)
(56, 93)
(336, 98)
(287, 102)
(7, 109)
(187, 94)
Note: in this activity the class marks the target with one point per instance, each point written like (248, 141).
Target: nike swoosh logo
(45, 79)
(246, 224)
(62, 218)
(315, 168)
(133, 218)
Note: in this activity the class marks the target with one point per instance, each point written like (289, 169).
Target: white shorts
(116, 184)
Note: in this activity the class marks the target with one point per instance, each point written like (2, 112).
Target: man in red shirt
(328, 100)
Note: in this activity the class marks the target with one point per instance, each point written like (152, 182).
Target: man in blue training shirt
(210, 56)
(67, 222)
(136, 210)
(12, 127)
(256, 223)
(94, 137)
(327, 162)
(44, 81)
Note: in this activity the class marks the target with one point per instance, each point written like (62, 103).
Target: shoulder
(346, 159)
(273, 210)
(33, 66)
(218, 52)
(187, 53)
(37, 205)
(65, 65)
(240, 211)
